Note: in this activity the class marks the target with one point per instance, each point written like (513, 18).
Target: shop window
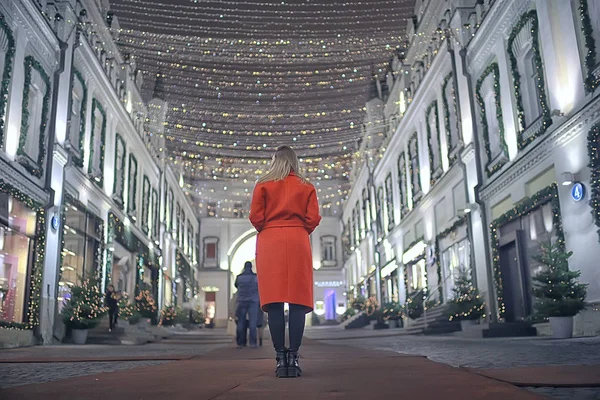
(132, 187)
(119, 184)
(17, 232)
(328, 256)
(211, 251)
(454, 258)
(82, 233)
(419, 280)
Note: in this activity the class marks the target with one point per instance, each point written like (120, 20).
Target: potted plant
(146, 305)
(83, 309)
(393, 312)
(359, 303)
(415, 305)
(559, 297)
(466, 305)
(169, 316)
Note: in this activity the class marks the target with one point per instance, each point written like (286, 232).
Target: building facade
(480, 144)
(86, 186)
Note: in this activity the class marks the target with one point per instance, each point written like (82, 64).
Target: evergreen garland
(594, 166)
(556, 290)
(7, 73)
(466, 303)
(451, 146)
(539, 65)
(414, 183)
(120, 140)
(78, 159)
(544, 196)
(37, 168)
(433, 169)
(491, 69)
(591, 81)
(97, 106)
(132, 196)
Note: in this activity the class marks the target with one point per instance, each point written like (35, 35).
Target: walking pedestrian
(285, 211)
(247, 303)
(111, 301)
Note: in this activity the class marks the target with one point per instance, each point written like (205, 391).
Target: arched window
(433, 141)
(415, 169)
(132, 186)
(328, 251)
(77, 118)
(389, 201)
(402, 184)
(119, 183)
(97, 142)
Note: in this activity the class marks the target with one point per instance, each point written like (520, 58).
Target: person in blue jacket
(247, 302)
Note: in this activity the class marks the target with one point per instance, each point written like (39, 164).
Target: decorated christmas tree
(557, 292)
(85, 306)
(466, 303)
(146, 305)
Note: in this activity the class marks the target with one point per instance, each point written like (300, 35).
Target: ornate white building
(85, 186)
(489, 122)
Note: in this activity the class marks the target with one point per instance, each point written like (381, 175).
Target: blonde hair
(284, 161)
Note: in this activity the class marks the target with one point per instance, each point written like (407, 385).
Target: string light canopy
(243, 77)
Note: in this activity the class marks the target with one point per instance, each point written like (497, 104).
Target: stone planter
(79, 336)
(562, 327)
(465, 324)
(10, 338)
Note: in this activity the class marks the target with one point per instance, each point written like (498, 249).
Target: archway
(243, 249)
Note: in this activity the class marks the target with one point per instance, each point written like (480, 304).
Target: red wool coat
(284, 213)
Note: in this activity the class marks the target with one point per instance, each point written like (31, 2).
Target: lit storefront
(453, 254)
(390, 282)
(415, 267)
(82, 247)
(17, 234)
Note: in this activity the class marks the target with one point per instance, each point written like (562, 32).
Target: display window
(17, 232)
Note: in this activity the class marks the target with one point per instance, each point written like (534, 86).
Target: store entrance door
(516, 287)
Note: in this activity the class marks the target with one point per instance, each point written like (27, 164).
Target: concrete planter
(10, 338)
(562, 327)
(466, 324)
(79, 336)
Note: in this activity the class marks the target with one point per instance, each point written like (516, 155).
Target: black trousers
(297, 320)
(113, 313)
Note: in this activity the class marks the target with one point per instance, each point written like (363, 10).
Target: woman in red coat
(285, 211)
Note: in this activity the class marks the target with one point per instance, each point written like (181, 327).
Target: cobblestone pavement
(26, 374)
(15, 374)
(489, 353)
(497, 353)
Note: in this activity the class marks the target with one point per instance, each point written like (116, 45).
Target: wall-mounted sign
(55, 223)
(329, 284)
(577, 191)
(210, 289)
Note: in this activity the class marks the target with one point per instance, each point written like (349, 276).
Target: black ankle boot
(293, 369)
(281, 369)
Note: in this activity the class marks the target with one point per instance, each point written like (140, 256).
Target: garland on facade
(414, 182)
(433, 106)
(36, 169)
(442, 235)
(132, 197)
(491, 69)
(146, 206)
(389, 201)
(451, 146)
(7, 73)
(544, 196)
(39, 253)
(118, 140)
(402, 184)
(78, 159)
(594, 166)
(97, 106)
(591, 81)
(539, 66)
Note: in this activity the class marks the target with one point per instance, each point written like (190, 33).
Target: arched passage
(242, 249)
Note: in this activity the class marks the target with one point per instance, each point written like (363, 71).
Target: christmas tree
(466, 303)
(557, 292)
(85, 306)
